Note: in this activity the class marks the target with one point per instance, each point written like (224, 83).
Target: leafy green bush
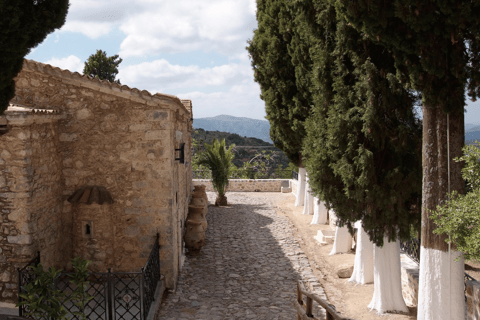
(459, 217)
(44, 300)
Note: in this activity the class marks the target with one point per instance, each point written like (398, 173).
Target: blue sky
(194, 49)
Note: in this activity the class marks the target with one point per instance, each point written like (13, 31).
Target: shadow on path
(247, 269)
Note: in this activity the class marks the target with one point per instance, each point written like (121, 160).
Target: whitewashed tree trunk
(363, 267)
(387, 283)
(441, 285)
(300, 187)
(319, 212)
(343, 241)
(308, 202)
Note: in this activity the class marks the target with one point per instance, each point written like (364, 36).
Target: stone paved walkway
(247, 269)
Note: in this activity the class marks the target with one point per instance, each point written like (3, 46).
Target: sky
(194, 49)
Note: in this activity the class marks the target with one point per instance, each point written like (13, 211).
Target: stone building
(111, 151)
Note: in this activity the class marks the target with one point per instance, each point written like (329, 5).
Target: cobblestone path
(247, 269)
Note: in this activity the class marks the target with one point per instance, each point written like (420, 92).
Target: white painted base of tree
(441, 285)
(363, 267)
(319, 212)
(308, 202)
(343, 241)
(300, 187)
(387, 279)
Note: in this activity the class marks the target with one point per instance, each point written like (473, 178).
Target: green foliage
(41, 295)
(363, 144)
(24, 25)
(80, 297)
(100, 66)
(45, 301)
(201, 171)
(287, 99)
(435, 44)
(219, 160)
(208, 136)
(459, 217)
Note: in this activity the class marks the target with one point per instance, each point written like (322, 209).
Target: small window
(87, 229)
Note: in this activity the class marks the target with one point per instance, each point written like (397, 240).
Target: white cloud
(162, 76)
(153, 27)
(72, 63)
(90, 29)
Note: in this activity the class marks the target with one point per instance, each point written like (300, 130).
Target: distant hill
(245, 148)
(244, 127)
(207, 136)
(472, 134)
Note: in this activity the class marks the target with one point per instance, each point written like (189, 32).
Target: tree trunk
(308, 202)
(387, 283)
(363, 267)
(300, 187)
(319, 212)
(441, 284)
(221, 201)
(343, 241)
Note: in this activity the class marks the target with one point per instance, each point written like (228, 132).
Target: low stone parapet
(473, 299)
(249, 185)
(410, 273)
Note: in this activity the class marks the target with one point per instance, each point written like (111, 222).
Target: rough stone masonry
(64, 131)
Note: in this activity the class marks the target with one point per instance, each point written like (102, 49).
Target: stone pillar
(24, 187)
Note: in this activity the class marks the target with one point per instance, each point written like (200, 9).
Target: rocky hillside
(244, 127)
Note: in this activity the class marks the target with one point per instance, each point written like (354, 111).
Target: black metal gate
(116, 295)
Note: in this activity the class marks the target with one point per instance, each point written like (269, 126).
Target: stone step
(325, 236)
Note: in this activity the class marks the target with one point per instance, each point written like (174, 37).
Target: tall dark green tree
(363, 143)
(24, 24)
(100, 66)
(287, 98)
(436, 47)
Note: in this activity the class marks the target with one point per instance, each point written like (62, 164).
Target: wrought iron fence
(411, 249)
(116, 295)
(24, 276)
(295, 175)
(151, 275)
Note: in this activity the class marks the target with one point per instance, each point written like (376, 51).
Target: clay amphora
(200, 202)
(197, 213)
(201, 188)
(194, 236)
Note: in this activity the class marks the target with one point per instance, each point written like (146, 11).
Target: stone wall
(473, 300)
(106, 135)
(294, 186)
(410, 274)
(248, 185)
(30, 202)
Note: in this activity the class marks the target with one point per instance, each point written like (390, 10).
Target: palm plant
(219, 160)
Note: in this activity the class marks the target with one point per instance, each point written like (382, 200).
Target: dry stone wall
(103, 135)
(30, 185)
(248, 185)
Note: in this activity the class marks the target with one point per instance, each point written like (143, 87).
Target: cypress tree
(24, 24)
(435, 45)
(363, 142)
(363, 139)
(287, 99)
